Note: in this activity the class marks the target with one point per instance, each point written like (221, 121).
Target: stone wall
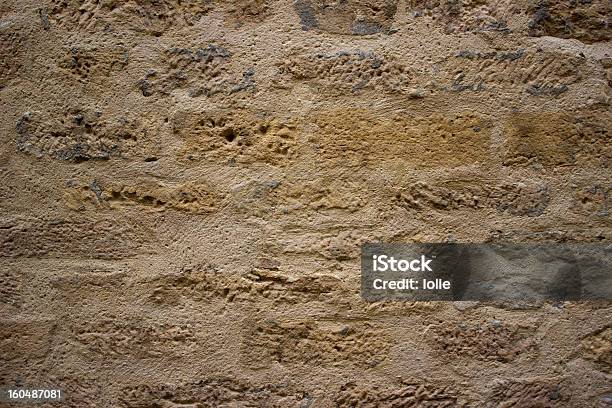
(185, 185)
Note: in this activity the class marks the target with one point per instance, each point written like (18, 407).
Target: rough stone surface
(185, 186)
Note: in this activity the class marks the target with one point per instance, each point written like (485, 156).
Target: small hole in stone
(229, 135)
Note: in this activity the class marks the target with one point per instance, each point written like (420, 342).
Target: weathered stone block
(79, 135)
(13, 39)
(360, 138)
(357, 17)
(344, 71)
(91, 64)
(528, 393)
(513, 198)
(111, 336)
(314, 343)
(520, 70)
(26, 339)
(594, 200)
(558, 139)
(83, 238)
(406, 393)
(213, 392)
(493, 341)
(587, 21)
(597, 348)
(467, 16)
(232, 138)
(149, 17)
(11, 286)
(191, 197)
(203, 71)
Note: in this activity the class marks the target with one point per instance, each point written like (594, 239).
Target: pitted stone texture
(204, 71)
(150, 17)
(407, 393)
(597, 348)
(528, 393)
(265, 283)
(326, 195)
(11, 286)
(213, 392)
(467, 16)
(78, 135)
(487, 341)
(521, 70)
(595, 200)
(515, 199)
(198, 198)
(88, 287)
(90, 64)
(558, 139)
(587, 21)
(314, 343)
(32, 334)
(355, 17)
(71, 238)
(110, 336)
(348, 71)
(13, 40)
(230, 137)
(246, 11)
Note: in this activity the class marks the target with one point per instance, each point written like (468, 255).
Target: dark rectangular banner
(494, 272)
